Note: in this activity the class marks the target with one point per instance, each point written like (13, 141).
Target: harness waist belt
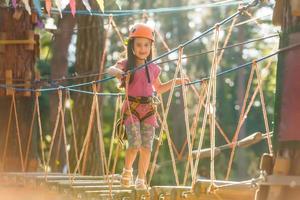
(141, 100)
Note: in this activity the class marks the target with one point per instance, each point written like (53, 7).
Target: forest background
(74, 52)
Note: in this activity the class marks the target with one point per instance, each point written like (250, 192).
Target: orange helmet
(141, 30)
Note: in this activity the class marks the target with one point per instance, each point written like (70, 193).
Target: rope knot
(212, 188)
(217, 26)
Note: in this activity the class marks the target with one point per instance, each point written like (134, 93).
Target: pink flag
(73, 7)
(14, 3)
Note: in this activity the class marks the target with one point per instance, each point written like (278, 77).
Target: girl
(139, 112)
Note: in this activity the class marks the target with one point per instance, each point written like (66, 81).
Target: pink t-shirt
(141, 88)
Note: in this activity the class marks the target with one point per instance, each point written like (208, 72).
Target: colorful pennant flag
(37, 6)
(101, 4)
(27, 7)
(14, 3)
(73, 7)
(87, 5)
(58, 5)
(48, 6)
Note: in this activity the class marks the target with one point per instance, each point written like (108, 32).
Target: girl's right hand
(114, 71)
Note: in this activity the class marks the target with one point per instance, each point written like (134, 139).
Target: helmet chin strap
(147, 72)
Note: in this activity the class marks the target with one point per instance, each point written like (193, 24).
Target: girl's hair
(131, 60)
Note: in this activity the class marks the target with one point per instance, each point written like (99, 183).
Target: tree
(17, 67)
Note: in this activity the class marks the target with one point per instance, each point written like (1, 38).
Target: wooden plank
(281, 180)
(233, 190)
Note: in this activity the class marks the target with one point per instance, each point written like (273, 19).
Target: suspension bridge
(74, 184)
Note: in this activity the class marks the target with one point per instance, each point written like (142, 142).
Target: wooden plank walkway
(36, 186)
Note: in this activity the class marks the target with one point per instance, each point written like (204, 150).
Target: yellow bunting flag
(101, 4)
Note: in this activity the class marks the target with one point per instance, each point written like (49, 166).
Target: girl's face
(141, 48)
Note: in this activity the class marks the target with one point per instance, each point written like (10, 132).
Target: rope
(30, 135)
(235, 137)
(186, 117)
(117, 107)
(40, 128)
(86, 147)
(156, 59)
(53, 136)
(62, 113)
(201, 98)
(87, 75)
(113, 23)
(86, 139)
(207, 104)
(68, 97)
(122, 13)
(100, 135)
(18, 132)
(262, 99)
(213, 115)
(7, 135)
(101, 67)
(164, 126)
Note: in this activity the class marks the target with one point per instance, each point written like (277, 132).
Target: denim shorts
(140, 134)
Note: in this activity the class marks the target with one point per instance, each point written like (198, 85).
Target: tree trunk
(59, 69)
(16, 67)
(89, 49)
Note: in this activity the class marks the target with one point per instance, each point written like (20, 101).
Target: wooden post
(8, 82)
(287, 107)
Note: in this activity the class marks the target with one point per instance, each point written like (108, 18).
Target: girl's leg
(134, 143)
(147, 135)
(144, 160)
(130, 156)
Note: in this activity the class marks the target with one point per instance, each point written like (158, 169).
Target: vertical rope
(40, 129)
(164, 126)
(86, 139)
(113, 23)
(64, 132)
(117, 107)
(88, 136)
(235, 137)
(194, 174)
(213, 115)
(53, 137)
(104, 51)
(211, 92)
(201, 98)
(186, 117)
(227, 39)
(7, 135)
(263, 105)
(18, 131)
(73, 126)
(30, 135)
(100, 135)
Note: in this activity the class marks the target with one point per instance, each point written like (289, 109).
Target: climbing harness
(134, 102)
